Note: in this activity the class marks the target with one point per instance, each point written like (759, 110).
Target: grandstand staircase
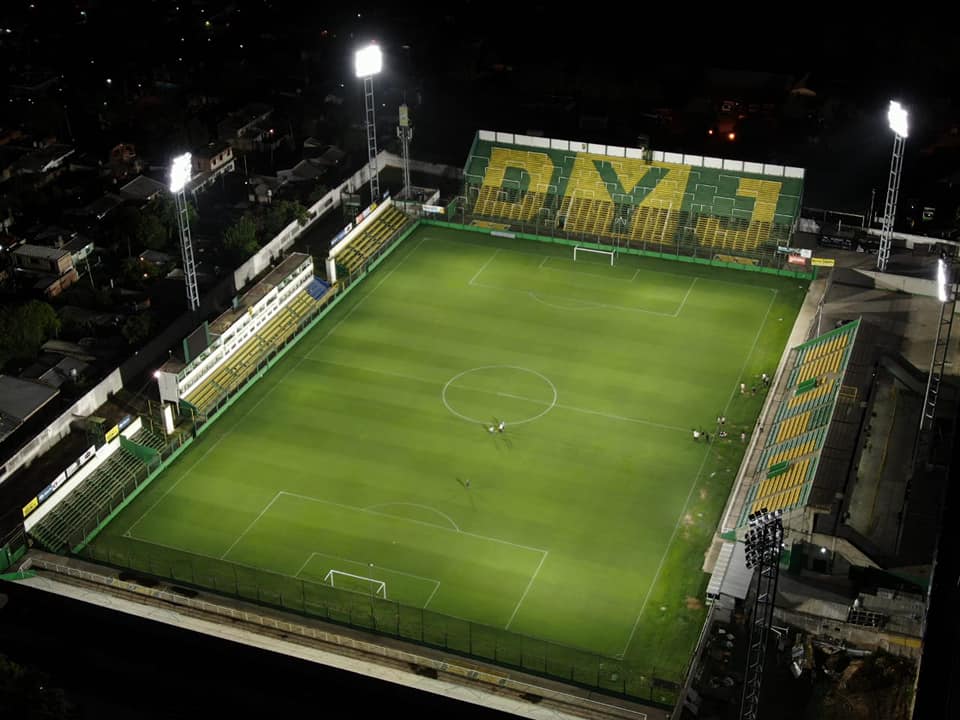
(788, 462)
(378, 233)
(246, 360)
(490, 204)
(653, 224)
(78, 514)
(634, 200)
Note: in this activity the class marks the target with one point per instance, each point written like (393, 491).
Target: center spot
(509, 393)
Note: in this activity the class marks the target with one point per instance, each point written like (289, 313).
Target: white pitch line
(573, 271)
(684, 301)
(543, 262)
(250, 526)
(529, 585)
(279, 574)
(431, 595)
(357, 562)
(425, 507)
(537, 401)
(696, 478)
(590, 306)
(586, 411)
(269, 391)
(436, 583)
(305, 563)
(210, 557)
(482, 267)
(361, 301)
(415, 522)
(652, 271)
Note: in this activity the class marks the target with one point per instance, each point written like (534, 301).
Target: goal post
(582, 249)
(356, 583)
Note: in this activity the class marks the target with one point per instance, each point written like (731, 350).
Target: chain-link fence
(645, 681)
(388, 617)
(688, 233)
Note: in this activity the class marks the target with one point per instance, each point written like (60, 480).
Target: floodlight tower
(179, 177)
(947, 295)
(405, 133)
(367, 63)
(764, 542)
(897, 117)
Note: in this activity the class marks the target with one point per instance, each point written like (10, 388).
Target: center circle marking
(454, 411)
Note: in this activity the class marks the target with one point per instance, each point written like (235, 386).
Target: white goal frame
(611, 253)
(378, 587)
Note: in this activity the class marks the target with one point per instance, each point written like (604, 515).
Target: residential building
(210, 163)
(36, 258)
(142, 189)
(19, 400)
(213, 157)
(51, 269)
(244, 129)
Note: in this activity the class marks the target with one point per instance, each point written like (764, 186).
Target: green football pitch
(367, 450)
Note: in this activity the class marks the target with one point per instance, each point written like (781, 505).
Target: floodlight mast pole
(405, 133)
(368, 62)
(947, 270)
(179, 176)
(763, 544)
(897, 117)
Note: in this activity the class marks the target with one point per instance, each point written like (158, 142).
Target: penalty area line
(483, 267)
(250, 526)
(696, 480)
(529, 585)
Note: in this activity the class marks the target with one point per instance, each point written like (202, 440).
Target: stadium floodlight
(180, 172)
(897, 117)
(368, 61)
(763, 557)
(179, 177)
(941, 280)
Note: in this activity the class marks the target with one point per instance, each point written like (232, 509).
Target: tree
(240, 239)
(280, 215)
(23, 329)
(137, 274)
(151, 233)
(123, 227)
(26, 692)
(137, 328)
(165, 210)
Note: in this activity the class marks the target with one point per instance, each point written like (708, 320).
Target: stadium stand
(377, 233)
(501, 186)
(788, 462)
(631, 200)
(98, 494)
(245, 361)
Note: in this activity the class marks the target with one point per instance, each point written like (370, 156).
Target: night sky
(138, 72)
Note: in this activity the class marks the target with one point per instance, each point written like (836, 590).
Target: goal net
(356, 583)
(592, 251)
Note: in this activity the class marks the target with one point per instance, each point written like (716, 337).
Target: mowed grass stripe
(359, 420)
(472, 564)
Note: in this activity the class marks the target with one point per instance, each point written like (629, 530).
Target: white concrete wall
(60, 428)
(232, 340)
(902, 283)
(352, 235)
(103, 452)
(658, 155)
